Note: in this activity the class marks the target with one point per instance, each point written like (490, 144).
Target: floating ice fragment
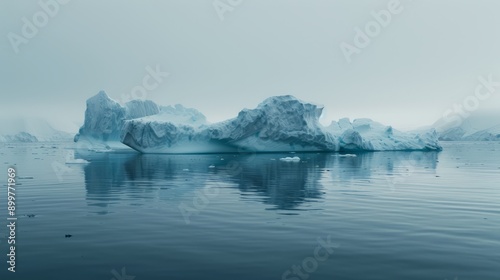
(290, 159)
(348, 155)
(76, 161)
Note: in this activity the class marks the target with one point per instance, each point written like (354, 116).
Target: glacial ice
(368, 135)
(21, 137)
(462, 134)
(104, 119)
(290, 159)
(478, 126)
(30, 129)
(278, 124)
(490, 134)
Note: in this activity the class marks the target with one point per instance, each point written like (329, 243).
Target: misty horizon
(221, 63)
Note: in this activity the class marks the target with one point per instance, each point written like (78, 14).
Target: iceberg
(21, 137)
(368, 135)
(278, 124)
(479, 126)
(490, 134)
(463, 134)
(105, 117)
(290, 159)
(30, 129)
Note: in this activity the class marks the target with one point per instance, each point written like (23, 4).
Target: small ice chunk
(101, 150)
(290, 159)
(76, 161)
(347, 155)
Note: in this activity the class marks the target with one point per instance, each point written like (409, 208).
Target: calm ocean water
(384, 215)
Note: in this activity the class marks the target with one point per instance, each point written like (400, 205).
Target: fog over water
(427, 58)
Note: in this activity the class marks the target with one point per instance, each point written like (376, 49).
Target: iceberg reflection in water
(394, 215)
(284, 185)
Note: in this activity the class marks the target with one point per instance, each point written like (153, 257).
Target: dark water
(386, 215)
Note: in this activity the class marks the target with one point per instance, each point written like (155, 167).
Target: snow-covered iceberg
(280, 123)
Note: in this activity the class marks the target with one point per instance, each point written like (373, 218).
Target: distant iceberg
(479, 126)
(461, 134)
(21, 137)
(30, 129)
(278, 124)
(368, 135)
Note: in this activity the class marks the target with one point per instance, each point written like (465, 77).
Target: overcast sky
(427, 58)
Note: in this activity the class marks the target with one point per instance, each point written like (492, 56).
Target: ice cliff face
(105, 117)
(281, 123)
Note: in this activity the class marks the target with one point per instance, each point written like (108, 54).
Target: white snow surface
(278, 124)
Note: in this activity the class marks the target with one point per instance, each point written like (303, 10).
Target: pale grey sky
(426, 59)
